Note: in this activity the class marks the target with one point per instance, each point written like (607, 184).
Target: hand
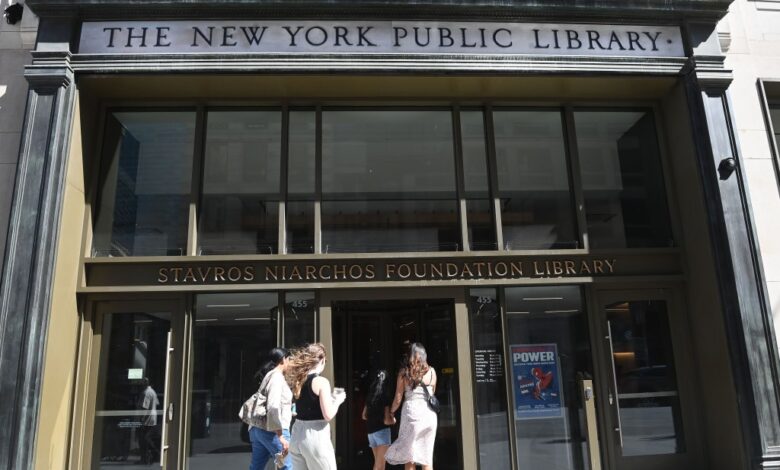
(391, 421)
(285, 445)
(339, 398)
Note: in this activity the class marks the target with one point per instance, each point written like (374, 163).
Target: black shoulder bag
(433, 402)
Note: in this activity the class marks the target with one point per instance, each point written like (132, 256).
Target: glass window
(490, 389)
(300, 226)
(479, 206)
(643, 360)
(146, 172)
(533, 180)
(622, 179)
(388, 181)
(232, 336)
(549, 352)
(299, 308)
(301, 182)
(239, 211)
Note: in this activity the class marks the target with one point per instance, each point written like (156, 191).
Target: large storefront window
(239, 210)
(145, 184)
(392, 179)
(388, 181)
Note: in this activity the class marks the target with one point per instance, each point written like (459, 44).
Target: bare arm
(434, 379)
(320, 386)
(399, 393)
(389, 418)
(364, 415)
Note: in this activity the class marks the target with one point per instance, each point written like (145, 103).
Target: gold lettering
(547, 267)
(490, 269)
(404, 267)
(557, 268)
(162, 276)
(352, 272)
(420, 275)
(437, 270)
(311, 272)
(611, 266)
(190, 275)
(204, 275)
(452, 270)
(479, 268)
(584, 267)
(234, 274)
(466, 270)
(272, 273)
(501, 269)
(321, 270)
(296, 273)
(389, 270)
(537, 270)
(517, 268)
(570, 267)
(219, 274)
(284, 273)
(370, 271)
(176, 272)
(340, 270)
(598, 266)
(249, 273)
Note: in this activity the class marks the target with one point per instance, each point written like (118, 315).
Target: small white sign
(135, 374)
(379, 37)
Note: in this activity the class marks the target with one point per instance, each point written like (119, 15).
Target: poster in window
(536, 381)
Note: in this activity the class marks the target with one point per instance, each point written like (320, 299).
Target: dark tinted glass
(301, 165)
(488, 362)
(622, 179)
(146, 172)
(300, 226)
(482, 228)
(475, 167)
(299, 310)
(239, 210)
(388, 179)
(533, 180)
(231, 337)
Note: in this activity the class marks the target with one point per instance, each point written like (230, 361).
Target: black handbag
(433, 402)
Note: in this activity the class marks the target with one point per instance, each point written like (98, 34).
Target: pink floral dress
(417, 433)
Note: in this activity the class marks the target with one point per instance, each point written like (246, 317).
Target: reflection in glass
(533, 180)
(647, 393)
(239, 210)
(549, 317)
(376, 226)
(300, 226)
(388, 181)
(622, 179)
(482, 232)
(490, 382)
(231, 338)
(301, 166)
(475, 166)
(299, 310)
(142, 208)
(128, 416)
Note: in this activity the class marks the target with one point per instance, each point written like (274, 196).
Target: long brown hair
(416, 365)
(302, 361)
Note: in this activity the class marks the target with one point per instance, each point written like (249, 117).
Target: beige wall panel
(13, 88)
(62, 341)
(718, 416)
(766, 208)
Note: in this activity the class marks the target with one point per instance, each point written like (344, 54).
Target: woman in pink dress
(417, 433)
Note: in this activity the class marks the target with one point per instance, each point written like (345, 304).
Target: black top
(376, 413)
(307, 406)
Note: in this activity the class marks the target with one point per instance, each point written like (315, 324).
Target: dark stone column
(748, 318)
(25, 298)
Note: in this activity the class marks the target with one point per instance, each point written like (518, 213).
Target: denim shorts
(379, 438)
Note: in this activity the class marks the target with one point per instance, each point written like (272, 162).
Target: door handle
(170, 412)
(167, 404)
(591, 427)
(614, 401)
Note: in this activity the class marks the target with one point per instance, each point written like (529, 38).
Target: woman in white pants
(315, 405)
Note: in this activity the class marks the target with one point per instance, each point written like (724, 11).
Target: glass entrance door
(372, 335)
(648, 420)
(137, 383)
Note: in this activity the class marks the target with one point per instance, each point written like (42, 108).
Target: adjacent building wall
(751, 35)
(16, 41)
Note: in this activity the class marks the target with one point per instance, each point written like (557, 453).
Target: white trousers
(310, 446)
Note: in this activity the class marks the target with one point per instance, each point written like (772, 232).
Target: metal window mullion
(318, 181)
(199, 156)
(490, 142)
(460, 189)
(280, 319)
(285, 144)
(510, 409)
(575, 175)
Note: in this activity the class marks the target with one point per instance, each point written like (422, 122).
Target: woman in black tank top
(310, 445)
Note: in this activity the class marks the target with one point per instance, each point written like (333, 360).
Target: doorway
(369, 335)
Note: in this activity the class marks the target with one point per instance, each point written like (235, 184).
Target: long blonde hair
(302, 361)
(416, 365)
